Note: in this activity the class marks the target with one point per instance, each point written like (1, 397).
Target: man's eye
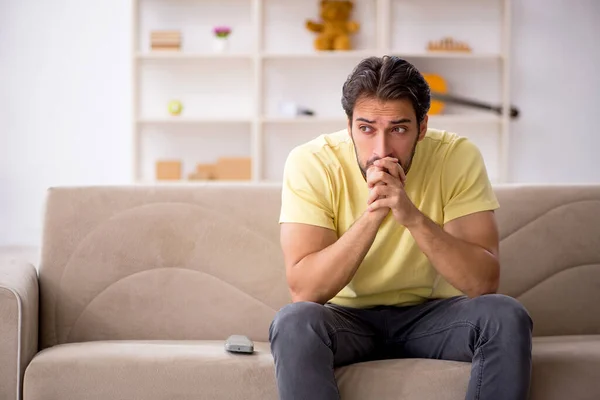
(399, 129)
(366, 129)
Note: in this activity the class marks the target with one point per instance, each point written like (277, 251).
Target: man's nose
(382, 146)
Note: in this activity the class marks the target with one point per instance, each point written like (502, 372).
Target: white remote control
(239, 344)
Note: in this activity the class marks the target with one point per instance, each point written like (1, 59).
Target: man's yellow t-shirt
(323, 186)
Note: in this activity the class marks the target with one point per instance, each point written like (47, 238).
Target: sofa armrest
(19, 294)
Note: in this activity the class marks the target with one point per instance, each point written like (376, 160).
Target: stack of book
(448, 44)
(165, 40)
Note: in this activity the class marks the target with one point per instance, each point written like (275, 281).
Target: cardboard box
(168, 170)
(234, 168)
(203, 172)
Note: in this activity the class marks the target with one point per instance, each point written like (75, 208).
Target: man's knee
(297, 319)
(504, 311)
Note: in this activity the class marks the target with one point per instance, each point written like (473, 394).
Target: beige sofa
(139, 286)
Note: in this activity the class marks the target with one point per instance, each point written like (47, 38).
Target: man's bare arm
(464, 252)
(317, 265)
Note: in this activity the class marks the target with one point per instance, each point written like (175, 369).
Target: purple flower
(222, 31)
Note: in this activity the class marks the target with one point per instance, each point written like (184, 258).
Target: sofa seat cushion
(149, 370)
(413, 379)
(566, 367)
(204, 370)
(563, 367)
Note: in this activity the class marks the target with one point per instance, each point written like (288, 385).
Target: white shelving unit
(231, 100)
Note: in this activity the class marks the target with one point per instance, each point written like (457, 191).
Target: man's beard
(370, 161)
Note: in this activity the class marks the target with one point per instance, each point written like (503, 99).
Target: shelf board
(450, 118)
(200, 182)
(353, 54)
(350, 54)
(176, 55)
(304, 120)
(184, 120)
(465, 119)
(438, 119)
(448, 54)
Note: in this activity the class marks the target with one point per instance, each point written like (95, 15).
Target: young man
(391, 248)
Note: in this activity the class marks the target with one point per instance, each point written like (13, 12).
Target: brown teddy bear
(335, 29)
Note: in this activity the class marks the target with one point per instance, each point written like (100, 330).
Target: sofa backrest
(204, 262)
(550, 254)
(165, 262)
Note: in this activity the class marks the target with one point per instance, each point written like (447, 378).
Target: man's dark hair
(387, 78)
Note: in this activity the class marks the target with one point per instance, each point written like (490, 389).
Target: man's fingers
(372, 197)
(379, 191)
(402, 175)
(380, 203)
(376, 176)
(392, 166)
(372, 178)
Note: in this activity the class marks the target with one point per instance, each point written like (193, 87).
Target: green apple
(175, 107)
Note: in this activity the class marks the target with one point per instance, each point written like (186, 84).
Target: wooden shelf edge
(350, 54)
(302, 120)
(193, 121)
(448, 55)
(441, 118)
(320, 54)
(180, 55)
(461, 118)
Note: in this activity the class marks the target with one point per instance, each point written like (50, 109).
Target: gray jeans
(491, 331)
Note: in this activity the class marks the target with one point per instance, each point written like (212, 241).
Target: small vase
(220, 45)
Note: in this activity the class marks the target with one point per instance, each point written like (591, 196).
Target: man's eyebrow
(400, 121)
(397, 121)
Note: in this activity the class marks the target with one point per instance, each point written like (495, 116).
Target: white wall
(556, 85)
(64, 103)
(65, 112)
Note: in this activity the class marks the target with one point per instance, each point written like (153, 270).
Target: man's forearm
(468, 267)
(321, 275)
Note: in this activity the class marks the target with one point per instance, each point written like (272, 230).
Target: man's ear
(423, 127)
